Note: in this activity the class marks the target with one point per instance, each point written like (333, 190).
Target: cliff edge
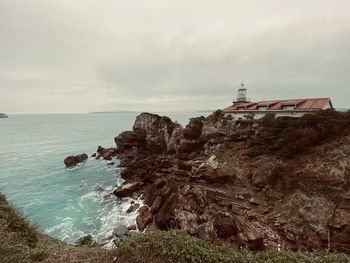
(272, 184)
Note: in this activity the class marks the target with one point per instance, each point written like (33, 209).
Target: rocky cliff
(268, 184)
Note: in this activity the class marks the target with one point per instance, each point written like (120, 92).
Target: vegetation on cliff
(286, 136)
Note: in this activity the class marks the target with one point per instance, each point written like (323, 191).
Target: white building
(242, 107)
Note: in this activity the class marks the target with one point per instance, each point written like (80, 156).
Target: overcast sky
(169, 55)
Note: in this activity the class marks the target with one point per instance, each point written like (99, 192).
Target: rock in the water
(106, 154)
(74, 160)
(120, 231)
(144, 218)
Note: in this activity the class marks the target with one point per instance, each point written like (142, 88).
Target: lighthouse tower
(242, 94)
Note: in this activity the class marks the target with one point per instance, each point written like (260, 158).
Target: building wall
(259, 114)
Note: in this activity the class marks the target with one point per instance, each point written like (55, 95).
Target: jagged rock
(144, 218)
(166, 211)
(120, 231)
(158, 131)
(133, 207)
(128, 139)
(298, 203)
(128, 188)
(156, 204)
(74, 160)
(106, 154)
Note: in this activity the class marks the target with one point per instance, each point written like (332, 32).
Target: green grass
(176, 246)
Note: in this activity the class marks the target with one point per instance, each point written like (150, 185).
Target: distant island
(112, 112)
(3, 115)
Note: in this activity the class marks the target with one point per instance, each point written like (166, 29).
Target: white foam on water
(66, 229)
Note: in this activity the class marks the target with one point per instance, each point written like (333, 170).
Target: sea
(66, 203)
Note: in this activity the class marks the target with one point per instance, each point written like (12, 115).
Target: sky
(62, 56)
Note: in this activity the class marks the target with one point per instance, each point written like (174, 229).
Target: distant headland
(3, 115)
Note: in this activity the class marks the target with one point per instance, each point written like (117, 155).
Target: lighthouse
(242, 94)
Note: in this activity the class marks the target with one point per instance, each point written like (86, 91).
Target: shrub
(287, 136)
(176, 246)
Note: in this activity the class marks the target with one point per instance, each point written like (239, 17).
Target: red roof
(299, 104)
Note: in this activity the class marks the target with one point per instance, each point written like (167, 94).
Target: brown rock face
(74, 160)
(166, 211)
(128, 140)
(144, 218)
(203, 179)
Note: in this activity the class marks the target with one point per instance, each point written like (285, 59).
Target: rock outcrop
(71, 161)
(201, 179)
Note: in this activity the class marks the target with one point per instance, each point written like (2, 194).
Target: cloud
(81, 56)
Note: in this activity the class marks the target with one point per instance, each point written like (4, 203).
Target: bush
(287, 136)
(176, 246)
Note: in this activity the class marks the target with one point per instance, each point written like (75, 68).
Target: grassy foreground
(22, 242)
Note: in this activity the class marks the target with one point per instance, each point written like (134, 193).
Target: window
(262, 107)
(241, 108)
(288, 107)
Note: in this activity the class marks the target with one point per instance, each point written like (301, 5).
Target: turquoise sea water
(63, 202)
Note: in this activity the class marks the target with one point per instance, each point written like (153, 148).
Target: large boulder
(71, 161)
(159, 132)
